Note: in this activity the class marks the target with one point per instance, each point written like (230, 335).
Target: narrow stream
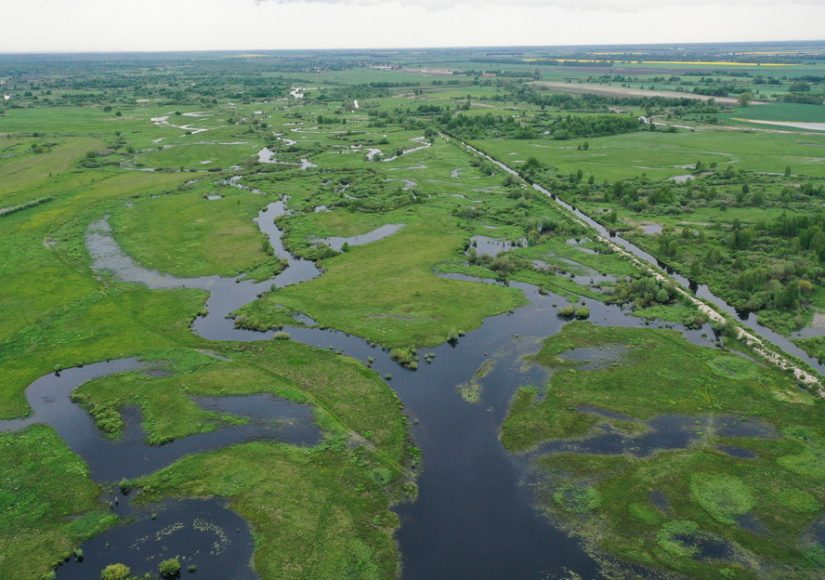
(474, 517)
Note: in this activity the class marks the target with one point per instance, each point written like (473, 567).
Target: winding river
(474, 516)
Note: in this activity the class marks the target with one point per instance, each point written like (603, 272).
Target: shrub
(567, 311)
(406, 357)
(115, 572)
(169, 568)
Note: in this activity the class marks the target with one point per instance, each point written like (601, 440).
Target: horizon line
(399, 48)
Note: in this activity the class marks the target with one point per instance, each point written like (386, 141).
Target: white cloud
(105, 25)
(606, 6)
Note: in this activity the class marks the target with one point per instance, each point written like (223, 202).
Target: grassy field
(79, 140)
(188, 235)
(49, 503)
(615, 501)
(387, 292)
(660, 155)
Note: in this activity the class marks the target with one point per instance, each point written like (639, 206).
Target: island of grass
(338, 492)
(675, 456)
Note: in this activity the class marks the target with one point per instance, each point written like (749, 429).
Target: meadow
(170, 155)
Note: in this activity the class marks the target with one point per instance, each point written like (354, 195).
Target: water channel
(474, 517)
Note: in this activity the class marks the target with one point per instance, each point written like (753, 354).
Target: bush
(115, 572)
(169, 568)
(567, 311)
(406, 357)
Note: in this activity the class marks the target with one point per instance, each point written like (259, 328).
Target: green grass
(781, 112)
(724, 497)
(661, 155)
(55, 314)
(606, 499)
(198, 156)
(347, 397)
(48, 503)
(386, 291)
(325, 512)
(28, 171)
(186, 235)
(317, 513)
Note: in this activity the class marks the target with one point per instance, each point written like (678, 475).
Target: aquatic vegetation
(578, 499)
(744, 512)
(724, 497)
(169, 568)
(115, 572)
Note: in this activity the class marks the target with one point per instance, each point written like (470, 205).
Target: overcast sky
(124, 25)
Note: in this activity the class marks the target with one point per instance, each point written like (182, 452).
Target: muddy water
(474, 517)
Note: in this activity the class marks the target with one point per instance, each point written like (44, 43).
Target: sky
(160, 25)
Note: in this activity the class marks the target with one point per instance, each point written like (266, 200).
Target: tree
(744, 99)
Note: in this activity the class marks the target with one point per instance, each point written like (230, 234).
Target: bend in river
(474, 516)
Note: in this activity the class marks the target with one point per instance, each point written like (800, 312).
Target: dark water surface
(199, 532)
(474, 517)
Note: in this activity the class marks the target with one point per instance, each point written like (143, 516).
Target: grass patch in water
(724, 497)
(386, 291)
(471, 390)
(208, 237)
(699, 529)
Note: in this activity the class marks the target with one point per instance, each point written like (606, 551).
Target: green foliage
(578, 499)
(644, 291)
(582, 312)
(568, 311)
(169, 568)
(115, 572)
(406, 357)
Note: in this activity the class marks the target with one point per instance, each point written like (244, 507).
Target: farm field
(325, 315)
